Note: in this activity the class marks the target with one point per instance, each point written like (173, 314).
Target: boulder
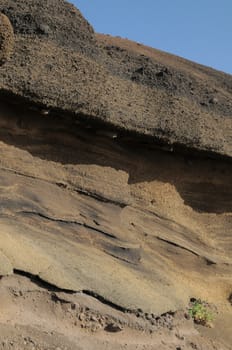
(6, 39)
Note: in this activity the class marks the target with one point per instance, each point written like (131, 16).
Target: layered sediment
(115, 167)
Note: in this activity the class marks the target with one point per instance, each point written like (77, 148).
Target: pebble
(112, 327)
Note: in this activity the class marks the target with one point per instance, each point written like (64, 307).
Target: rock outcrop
(115, 165)
(127, 86)
(6, 38)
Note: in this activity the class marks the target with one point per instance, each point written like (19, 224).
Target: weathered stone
(6, 39)
(136, 90)
(101, 187)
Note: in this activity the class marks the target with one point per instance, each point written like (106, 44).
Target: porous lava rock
(55, 20)
(59, 62)
(6, 39)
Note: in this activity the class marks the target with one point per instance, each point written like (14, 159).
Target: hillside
(115, 191)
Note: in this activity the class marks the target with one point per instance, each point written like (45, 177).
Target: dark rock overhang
(60, 65)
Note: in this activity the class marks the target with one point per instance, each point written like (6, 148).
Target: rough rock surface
(115, 180)
(156, 95)
(6, 38)
(53, 20)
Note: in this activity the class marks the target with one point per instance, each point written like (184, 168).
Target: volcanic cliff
(115, 180)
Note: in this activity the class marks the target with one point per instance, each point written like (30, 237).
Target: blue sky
(200, 30)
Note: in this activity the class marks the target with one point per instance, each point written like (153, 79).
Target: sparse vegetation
(201, 313)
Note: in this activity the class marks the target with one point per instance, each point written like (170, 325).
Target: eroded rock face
(141, 227)
(60, 63)
(6, 39)
(55, 20)
(105, 181)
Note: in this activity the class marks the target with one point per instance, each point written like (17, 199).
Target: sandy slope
(34, 316)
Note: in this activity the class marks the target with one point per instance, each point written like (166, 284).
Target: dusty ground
(36, 316)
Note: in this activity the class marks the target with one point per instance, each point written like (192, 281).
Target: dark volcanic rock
(55, 20)
(59, 63)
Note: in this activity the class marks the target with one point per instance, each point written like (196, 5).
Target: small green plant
(201, 313)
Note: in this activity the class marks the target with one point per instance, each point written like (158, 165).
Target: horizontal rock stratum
(115, 165)
(60, 63)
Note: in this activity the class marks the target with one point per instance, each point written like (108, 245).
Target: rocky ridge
(124, 86)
